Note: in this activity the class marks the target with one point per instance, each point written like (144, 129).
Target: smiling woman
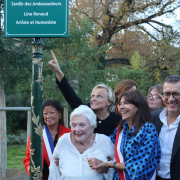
(52, 130)
(127, 111)
(154, 97)
(137, 149)
(102, 99)
(76, 150)
(51, 116)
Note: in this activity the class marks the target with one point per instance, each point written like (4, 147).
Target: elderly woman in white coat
(76, 149)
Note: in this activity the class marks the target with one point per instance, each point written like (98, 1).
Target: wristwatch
(114, 164)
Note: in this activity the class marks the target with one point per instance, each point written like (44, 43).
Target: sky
(175, 21)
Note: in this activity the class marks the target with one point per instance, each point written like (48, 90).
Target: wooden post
(28, 124)
(66, 123)
(3, 136)
(28, 109)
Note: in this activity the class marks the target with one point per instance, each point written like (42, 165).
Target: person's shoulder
(115, 116)
(147, 131)
(63, 128)
(156, 112)
(64, 138)
(149, 126)
(102, 137)
(155, 116)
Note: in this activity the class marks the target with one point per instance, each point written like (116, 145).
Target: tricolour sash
(119, 155)
(48, 146)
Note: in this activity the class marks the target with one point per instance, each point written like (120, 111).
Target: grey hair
(87, 112)
(158, 88)
(111, 95)
(172, 79)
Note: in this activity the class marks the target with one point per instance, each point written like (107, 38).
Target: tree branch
(154, 27)
(143, 7)
(87, 15)
(161, 24)
(146, 20)
(142, 28)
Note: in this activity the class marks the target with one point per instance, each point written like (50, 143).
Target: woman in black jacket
(102, 99)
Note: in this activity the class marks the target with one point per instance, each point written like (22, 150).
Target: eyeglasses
(167, 95)
(153, 97)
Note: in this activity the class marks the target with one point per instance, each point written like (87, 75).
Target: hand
(110, 165)
(93, 162)
(57, 161)
(103, 165)
(102, 169)
(53, 64)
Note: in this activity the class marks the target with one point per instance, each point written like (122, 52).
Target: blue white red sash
(119, 155)
(48, 146)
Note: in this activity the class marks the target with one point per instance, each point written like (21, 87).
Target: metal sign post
(36, 110)
(35, 19)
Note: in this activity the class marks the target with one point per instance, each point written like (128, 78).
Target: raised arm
(73, 100)
(53, 64)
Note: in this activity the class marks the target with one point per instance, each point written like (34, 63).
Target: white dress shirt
(166, 137)
(74, 166)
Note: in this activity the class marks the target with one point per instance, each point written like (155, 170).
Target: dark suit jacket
(175, 157)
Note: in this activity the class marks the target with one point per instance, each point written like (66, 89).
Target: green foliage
(15, 75)
(136, 61)
(78, 59)
(18, 139)
(163, 63)
(17, 119)
(141, 77)
(177, 69)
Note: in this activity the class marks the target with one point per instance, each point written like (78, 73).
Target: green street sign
(36, 18)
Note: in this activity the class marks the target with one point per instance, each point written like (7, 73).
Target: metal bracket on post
(36, 110)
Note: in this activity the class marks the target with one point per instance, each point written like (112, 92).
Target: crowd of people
(137, 139)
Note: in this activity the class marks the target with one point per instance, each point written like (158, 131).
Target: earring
(60, 117)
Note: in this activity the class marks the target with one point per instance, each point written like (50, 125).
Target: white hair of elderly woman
(85, 111)
(111, 95)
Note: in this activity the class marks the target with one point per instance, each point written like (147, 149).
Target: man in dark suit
(168, 126)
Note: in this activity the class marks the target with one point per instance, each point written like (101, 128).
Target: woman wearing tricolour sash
(137, 149)
(53, 129)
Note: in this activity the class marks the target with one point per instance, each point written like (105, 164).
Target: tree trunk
(3, 137)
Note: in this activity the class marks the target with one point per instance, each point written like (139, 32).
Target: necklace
(53, 136)
(85, 146)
